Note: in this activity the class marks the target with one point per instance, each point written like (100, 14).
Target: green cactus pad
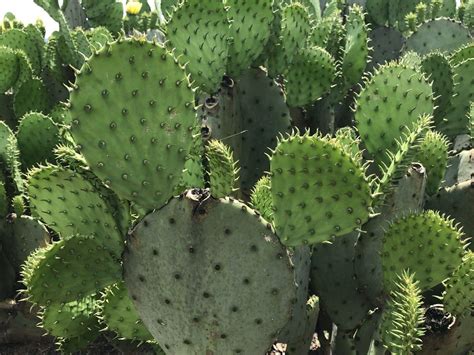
(25, 235)
(193, 174)
(464, 53)
(223, 172)
(9, 68)
(391, 101)
(407, 195)
(250, 30)
(427, 244)
(118, 314)
(441, 34)
(295, 28)
(69, 204)
(206, 276)
(318, 190)
(107, 13)
(9, 157)
(69, 270)
(356, 50)
(457, 118)
(261, 198)
(459, 293)
(198, 33)
(453, 201)
(333, 279)
(99, 37)
(378, 11)
(37, 137)
(310, 76)
(401, 327)
(135, 130)
(19, 39)
(31, 96)
(438, 69)
(432, 153)
(71, 320)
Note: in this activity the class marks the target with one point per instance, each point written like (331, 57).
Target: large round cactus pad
(209, 277)
(69, 270)
(132, 116)
(427, 244)
(391, 101)
(319, 191)
(441, 34)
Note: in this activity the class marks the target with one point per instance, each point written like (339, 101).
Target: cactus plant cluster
(217, 176)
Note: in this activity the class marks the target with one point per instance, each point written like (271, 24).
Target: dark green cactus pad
(250, 30)
(333, 280)
(310, 76)
(9, 157)
(119, 315)
(37, 137)
(438, 69)
(401, 326)
(295, 331)
(72, 319)
(356, 48)
(432, 153)
(223, 171)
(138, 147)
(22, 236)
(454, 202)
(261, 198)
(69, 270)
(249, 117)
(441, 34)
(391, 101)
(330, 196)
(198, 33)
(427, 244)
(295, 28)
(327, 32)
(464, 53)
(378, 11)
(107, 13)
(459, 293)
(9, 68)
(31, 96)
(19, 39)
(69, 204)
(457, 118)
(407, 195)
(206, 275)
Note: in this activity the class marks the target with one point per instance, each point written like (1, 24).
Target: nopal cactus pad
(118, 313)
(459, 292)
(318, 190)
(69, 204)
(392, 100)
(223, 172)
(206, 276)
(134, 120)
(198, 33)
(310, 76)
(427, 244)
(69, 270)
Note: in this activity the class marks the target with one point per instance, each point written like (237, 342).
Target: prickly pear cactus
(432, 249)
(134, 134)
(223, 171)
(184, 307)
